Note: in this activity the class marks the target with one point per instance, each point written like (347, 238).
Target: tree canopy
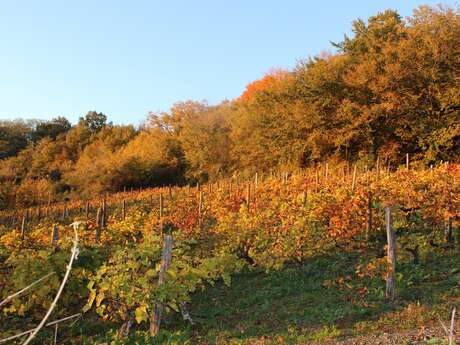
(390, 88)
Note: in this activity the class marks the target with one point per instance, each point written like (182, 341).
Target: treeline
(391, 88)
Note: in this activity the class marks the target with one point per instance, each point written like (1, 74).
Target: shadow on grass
(296, 299)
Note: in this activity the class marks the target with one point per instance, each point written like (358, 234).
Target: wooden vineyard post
(256, 180)
(305, 198)
(87, 210)
(64, 211)
(326, 173)
(170, 192)
(391, 256)
(378, 168)
(407, 161)
(160, 212)
(353, 183)
(369, 215)
(155, 320)
(367, 176)
(98, 224)
(248, 195)
(448, 228)
(104, 214)
(124, 210)
(54, 235)
(317, 181)
(200, 210)
(23, 226)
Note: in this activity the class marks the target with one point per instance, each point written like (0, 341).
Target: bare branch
(9, 298)
(443, 326)
(452, 325)
(61, 288)
(31, 330)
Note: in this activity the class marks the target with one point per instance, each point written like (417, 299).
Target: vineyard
(281, 258)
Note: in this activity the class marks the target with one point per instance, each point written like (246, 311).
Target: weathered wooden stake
(448, 231)
(200, 209)
(64, 211)
(407, 161)
(248, 195)
(391, 256)
(54, 235)
(378, 168)
(124, 210)
(99, 217)
(369, 215)
(161, 211)
(155, 319)
(23, 226)
(104, 213)
(317, 180)
(87, 210)
(353, 183)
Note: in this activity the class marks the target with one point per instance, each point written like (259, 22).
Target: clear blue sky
(126, 58)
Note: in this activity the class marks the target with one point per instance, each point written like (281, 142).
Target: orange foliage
(268, 82)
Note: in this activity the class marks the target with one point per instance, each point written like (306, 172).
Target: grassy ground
(321, 301)
(325, 300)
(295, 305)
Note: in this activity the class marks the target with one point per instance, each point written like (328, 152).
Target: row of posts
(284, 177)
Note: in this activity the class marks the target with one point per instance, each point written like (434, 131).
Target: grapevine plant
(283, 223)
(126, 286)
